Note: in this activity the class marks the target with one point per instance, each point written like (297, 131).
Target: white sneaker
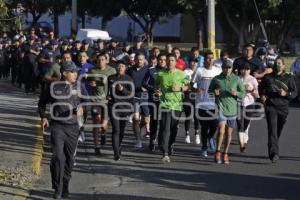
(197, 139)
(138, 145)
(81, 137)
(188, 139)
(246, 135)
(130, 119)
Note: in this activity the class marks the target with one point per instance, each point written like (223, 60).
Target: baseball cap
(69, 66)
(86, 41)
(227, 63)
(120, 62)
(53, 42)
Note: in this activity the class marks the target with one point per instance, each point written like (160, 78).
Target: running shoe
(212, 144)
(138, 145)
(166, 159)
(225, 159)
(218, 159)
(103, 139)
(81, 137)
(197, 139)
(187, 139)
(204, 153)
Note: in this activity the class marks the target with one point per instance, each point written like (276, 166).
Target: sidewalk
(20, 150)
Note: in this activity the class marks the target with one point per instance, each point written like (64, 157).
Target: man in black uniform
(2, 61)
(276, 90)
(65, 110)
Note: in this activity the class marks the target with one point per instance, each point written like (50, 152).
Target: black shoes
(117, 157)
(97, 151)
(103, 139)
(65, 192)
(171, 150)
(151, 146)
(56, 195)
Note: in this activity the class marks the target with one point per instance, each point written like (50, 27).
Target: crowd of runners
(115, 83)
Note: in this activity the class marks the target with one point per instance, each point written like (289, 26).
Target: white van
(93, 34)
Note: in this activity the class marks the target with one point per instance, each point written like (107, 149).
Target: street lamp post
(211, 25)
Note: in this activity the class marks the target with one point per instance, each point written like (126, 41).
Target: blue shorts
(230, 120)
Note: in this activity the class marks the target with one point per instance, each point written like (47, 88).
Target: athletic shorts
(99, 110)
(230, 120)
(141, 106)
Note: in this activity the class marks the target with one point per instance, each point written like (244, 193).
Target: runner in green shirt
(98, 82)
(227, 88)
(171, 84)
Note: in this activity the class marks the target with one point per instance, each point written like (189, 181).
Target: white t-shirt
(203, 77)
(252, 83)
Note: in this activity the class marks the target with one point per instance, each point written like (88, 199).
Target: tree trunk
(241, 38)
(56, 22)
(83, 20)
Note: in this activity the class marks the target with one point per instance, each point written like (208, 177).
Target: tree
(57, 8)
(3, 16)
(198, 9)
(35, 7)
(146, 13)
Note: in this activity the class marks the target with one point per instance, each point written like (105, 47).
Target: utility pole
(211, 25)
(74, 18)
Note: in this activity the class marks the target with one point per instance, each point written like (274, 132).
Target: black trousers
(118, 124)
(209, 125)
(276, 118)
(187, 123)
(154, 115)
(63, 144)
(244, 121)
(168, 129)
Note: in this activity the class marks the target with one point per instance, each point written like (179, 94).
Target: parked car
(93, 34)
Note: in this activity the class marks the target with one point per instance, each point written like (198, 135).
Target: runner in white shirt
(205, 102)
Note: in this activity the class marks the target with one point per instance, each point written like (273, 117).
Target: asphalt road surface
(142, 175)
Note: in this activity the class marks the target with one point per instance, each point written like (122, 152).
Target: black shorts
(100, 110)
(141, 106)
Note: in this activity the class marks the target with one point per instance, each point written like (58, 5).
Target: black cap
(69, 66)
(77, 42)
(121, 62)
(86, 41)
(53, 42)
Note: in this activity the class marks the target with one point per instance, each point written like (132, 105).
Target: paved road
(141, 174)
